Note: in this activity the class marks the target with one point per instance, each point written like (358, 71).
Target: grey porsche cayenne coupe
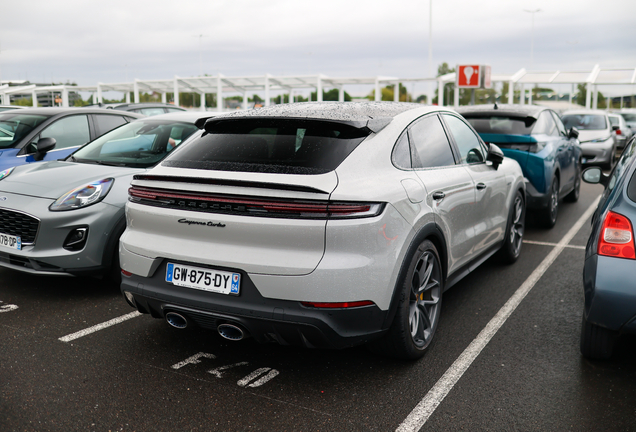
(320, 224)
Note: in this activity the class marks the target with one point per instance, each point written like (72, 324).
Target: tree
(581, 94)
(388, 94)
(449, 88)
(331, 95)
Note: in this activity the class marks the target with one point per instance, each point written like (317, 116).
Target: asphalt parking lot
(75, 356)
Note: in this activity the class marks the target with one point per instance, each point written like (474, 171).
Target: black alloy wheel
(511, 249)
(419, 307)
(551, 211)
(424, 299)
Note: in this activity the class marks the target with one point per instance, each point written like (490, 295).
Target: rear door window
(70, 131)
(467, 142)
(271, 145)
(429, 144)
(105, 123)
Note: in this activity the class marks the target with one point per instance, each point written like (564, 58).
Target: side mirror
(573, 132)
(615, 127)
(44, 145)
(594, 175)
(495, 155)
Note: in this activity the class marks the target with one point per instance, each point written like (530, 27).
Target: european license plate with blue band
(203, 279)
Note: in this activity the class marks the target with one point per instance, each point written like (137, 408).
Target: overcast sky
(113, 41)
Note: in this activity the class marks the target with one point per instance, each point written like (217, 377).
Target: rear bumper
(610, 293)
(597, 153)
(267, 320)
(534, 199)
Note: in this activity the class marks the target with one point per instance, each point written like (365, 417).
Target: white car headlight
(83, 196)
(5, 173)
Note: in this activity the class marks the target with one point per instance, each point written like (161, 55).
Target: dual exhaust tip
(227, 331)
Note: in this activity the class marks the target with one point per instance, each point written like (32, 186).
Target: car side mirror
(573, 132)
(495, 155)
(44, 145)
(594, 175)
(615, 127)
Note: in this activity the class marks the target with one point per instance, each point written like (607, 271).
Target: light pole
(201, 36)
(430, 51)
(532, 36)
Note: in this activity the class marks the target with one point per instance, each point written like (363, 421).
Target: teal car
(534, 136)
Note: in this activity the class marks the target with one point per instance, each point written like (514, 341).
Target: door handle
(438, 195)
(481, 186)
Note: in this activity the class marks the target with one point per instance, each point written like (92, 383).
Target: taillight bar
(254, 206)
(617, 237)
(340, 305)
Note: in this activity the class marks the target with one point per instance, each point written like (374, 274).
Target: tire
(114, 273)
(511, 249)
(549, 214)
(597, 343)
(419, 307)
(573, 196)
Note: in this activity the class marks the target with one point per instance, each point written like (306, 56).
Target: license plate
(13, 242)
(203, 278)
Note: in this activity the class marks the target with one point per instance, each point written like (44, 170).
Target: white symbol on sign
(468, 71)
(8, 308)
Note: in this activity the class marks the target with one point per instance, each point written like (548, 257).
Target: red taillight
(618, 132)
(126, 273)
(616, 239)
(341, 305)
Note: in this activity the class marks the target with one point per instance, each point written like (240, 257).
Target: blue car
(43, 134)
(610, 259)
(534, 136)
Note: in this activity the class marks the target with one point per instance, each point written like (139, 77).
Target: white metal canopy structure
(222, 85)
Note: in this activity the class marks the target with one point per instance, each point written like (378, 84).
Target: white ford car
(320, 224)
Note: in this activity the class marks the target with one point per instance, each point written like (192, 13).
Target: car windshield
(142, 143)
(584, 121)
(501, 125)
(285, 146)
(629, 117)
(14, 127)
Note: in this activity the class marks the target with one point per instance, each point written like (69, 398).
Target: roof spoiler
(374, 125)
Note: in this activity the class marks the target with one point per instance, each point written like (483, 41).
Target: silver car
(596, 135)
(621, 130)
(320, 224)
(65, 217)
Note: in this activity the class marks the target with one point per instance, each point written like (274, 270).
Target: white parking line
(552, 244)
(421, 413)
(98, 327)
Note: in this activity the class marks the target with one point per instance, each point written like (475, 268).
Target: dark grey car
(610, 259)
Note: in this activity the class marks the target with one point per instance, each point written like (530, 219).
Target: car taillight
(214, 203)
(616, 239)
(618, 132)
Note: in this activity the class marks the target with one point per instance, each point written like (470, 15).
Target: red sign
(468, 76)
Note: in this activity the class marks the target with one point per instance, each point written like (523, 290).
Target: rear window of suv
(501, 125)
(283, 146)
